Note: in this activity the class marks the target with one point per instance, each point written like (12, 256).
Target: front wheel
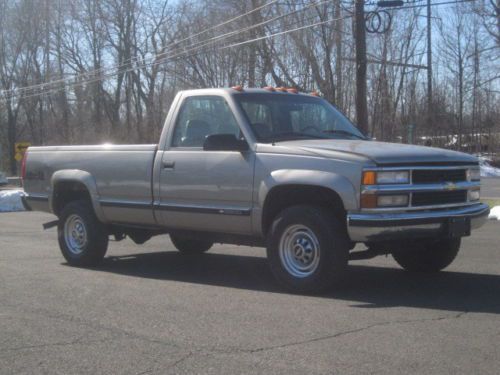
(83, 239)
(307, 249)
(428, 256)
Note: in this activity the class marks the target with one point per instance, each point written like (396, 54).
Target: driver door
(205, 190)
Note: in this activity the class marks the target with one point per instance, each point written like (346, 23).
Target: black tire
(188, 245)
(293, 226)
(92, 249)
(428, 256)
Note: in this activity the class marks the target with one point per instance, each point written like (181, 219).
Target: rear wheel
(307, 249)
(428, 256)
(189, 245)
(83, 239)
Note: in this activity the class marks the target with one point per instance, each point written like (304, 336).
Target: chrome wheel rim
(299, 251)
(75, 234)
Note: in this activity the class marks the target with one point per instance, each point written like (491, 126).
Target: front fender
(333, 181)
(83, 177)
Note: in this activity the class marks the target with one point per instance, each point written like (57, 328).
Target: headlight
(395, 177)
(473, 174)
(392, 200)
(474, 195)
(386, 177)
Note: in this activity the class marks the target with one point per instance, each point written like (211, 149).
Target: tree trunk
(11, 135)
(339, 24)
(360, 36)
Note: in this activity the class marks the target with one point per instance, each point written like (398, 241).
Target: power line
(285, 32)
(155, 60)
(198, 46)
(185, 54)
(190, 48)
(432, 4)
(131, 60)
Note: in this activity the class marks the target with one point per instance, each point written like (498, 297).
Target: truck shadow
(365, 287)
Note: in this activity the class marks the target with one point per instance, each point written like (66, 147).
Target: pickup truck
(268, 167)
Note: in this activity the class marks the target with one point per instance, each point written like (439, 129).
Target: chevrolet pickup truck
(262, 167)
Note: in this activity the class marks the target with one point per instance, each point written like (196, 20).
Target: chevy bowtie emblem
(450, 186)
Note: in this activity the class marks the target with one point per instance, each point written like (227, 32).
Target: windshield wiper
(344, 132)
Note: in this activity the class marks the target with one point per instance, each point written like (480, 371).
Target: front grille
(437, 176)
(438, 197)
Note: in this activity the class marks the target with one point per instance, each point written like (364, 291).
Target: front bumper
(368, 227)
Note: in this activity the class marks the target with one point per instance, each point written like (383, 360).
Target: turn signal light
(369, 178)
(368, 201)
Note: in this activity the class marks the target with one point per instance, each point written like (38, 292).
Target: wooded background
(95, 71)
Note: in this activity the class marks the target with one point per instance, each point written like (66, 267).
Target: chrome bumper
(367, 227)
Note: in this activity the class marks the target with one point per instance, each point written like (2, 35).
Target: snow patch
(487, 170)
(495, 213)
(10, 200)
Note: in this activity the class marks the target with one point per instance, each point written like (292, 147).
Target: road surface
(150, 310)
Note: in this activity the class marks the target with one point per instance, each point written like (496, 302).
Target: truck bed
(122, 174)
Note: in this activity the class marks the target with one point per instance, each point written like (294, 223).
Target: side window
(201, 116)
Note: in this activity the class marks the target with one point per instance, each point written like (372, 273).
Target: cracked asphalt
(149, 310)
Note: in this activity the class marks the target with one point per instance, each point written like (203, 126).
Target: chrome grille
(430, 198)
(437, 176)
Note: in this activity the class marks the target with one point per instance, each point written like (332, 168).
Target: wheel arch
(73, 184)
(290, 187)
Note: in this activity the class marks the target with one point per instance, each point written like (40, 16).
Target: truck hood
(381, 152)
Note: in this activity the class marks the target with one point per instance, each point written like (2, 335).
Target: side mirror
(224, 142)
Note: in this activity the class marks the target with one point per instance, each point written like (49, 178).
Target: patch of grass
(491, 202)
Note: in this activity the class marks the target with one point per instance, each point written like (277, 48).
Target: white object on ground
(487, 170)
(10, 200)
(495, 213)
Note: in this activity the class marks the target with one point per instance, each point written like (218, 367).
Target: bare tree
(107, 70)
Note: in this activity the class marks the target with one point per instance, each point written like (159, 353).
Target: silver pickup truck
(262, 167)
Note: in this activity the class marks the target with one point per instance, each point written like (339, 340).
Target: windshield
(275, 117)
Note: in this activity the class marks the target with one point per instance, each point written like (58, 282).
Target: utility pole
(360, 38)
(430, 109)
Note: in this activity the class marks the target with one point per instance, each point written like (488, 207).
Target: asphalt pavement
(490, 187)
(149, 310)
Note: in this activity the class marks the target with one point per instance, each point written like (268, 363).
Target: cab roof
(244, 90)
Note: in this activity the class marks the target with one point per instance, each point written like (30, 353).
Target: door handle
(168, 164)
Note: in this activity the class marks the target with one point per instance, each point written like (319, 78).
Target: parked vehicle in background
(262, 167)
